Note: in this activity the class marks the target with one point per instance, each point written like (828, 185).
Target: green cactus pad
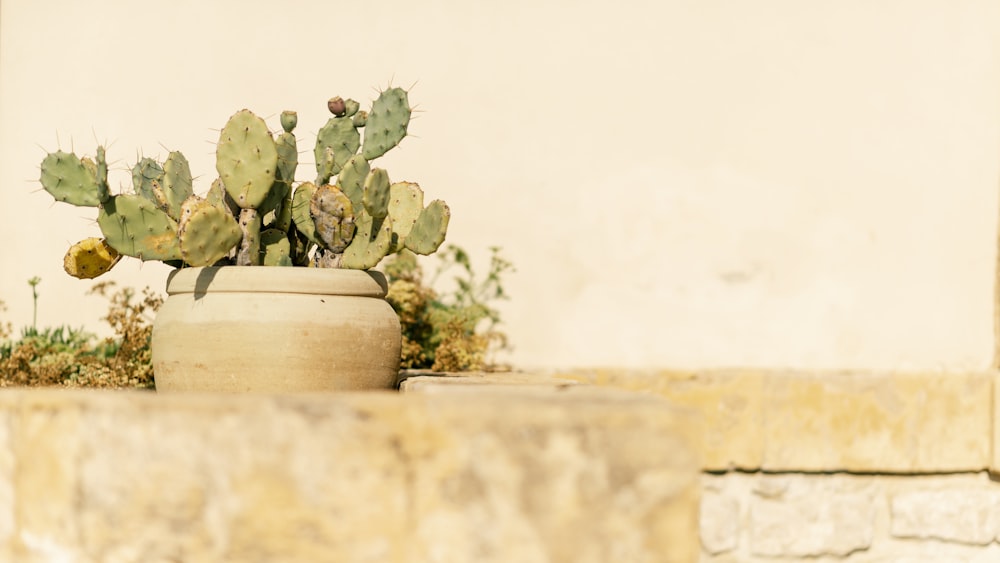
(300, 211)
(360, 119)
(351, 107)
(206, 233)
(351, 180)
(387, 123)
(340, 136)
(376, 195)
(333, 218)
(177, 184)
(103, 190)
(68, 179)
(90, 258)
(289, 119)
(275, 249)
(430, 228)
(135, 227)
(246, 159)
(144, 173)
(406, 201)
(371, 242)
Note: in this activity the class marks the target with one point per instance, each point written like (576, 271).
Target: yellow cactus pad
(90, 258)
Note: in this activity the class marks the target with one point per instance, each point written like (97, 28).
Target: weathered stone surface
(466, 475)
(798, 516)
(719, 522)
(869, 422)
(828, 421)
(969, 516)
(729, 402)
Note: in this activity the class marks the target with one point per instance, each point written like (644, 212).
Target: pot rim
(275, 279)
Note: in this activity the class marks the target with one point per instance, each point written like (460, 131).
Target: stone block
(729, 401)
(800, 516)
(467, 475)
(877, 423)
(719, 522)
(968, 515)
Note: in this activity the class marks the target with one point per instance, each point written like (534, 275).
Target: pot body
(275, 330)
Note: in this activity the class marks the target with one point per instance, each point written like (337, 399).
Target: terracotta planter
(273, 329)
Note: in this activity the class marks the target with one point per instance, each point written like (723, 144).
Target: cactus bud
(337, 106)
(289, 119)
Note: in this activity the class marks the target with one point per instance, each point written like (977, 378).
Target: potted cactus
(229, 326)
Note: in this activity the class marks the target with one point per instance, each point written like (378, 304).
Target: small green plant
(255, 213)
(454, 331)
(33, 282)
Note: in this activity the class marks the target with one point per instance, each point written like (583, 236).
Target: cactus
(429, 230)
(406, 201)
(351, 179)
(376, 194)
(176, 186)
(387, 122)
(333, 217)
(371, 242)
(69, 179)
(206, 233)
(254, 213)
(90, 258)
(135, 227)
(340, 138)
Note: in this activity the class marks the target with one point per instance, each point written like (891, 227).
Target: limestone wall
(852, 467)
(501, 476)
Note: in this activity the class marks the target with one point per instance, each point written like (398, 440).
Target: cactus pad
(90, 258)
(275, 249)
(177, 184)
(332, 217)
(135, 227)
(68, 179)
(144, 174)
(206, 233)
(387, 122)
(430, 228)
(340, 136)
(351, 179)
(246, 159)
(406, 201)
(376, 195)
(300, 211)
(371, 242)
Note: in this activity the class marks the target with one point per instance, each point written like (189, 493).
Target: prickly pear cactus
(176, 186)
(371, 242)
(70, 180)
(341, 138)
(429, 230)
(332, 217)
(254, 213)
(90, 258)
(387, 123)
(206, 233)
(376, 194)
(135, 226)
(246, 159)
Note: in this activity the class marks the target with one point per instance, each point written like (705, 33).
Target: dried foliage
(455, 331)
(73, 358)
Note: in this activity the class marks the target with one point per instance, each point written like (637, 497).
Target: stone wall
(840, 467)
(756, 517)
(505, 475)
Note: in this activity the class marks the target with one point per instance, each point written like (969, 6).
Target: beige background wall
(679, 183)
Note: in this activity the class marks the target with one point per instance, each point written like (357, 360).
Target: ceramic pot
(276, 330)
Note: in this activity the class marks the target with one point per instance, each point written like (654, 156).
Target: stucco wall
(684, 184)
